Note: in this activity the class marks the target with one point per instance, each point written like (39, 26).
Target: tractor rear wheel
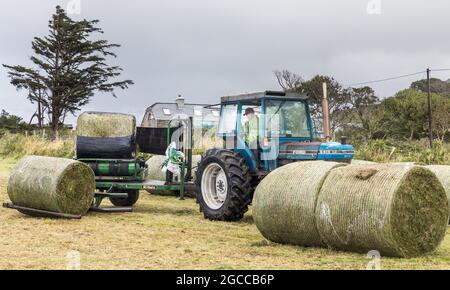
(133, 196)
(224, 185)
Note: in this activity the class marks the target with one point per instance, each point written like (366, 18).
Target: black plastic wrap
(153, 140)
(104, 147)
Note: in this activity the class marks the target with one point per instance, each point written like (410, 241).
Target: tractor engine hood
(331, 151)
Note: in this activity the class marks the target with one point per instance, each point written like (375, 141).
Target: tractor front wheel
(223, 185)
(133, 196)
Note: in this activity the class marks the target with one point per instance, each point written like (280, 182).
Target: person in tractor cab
(251, 132)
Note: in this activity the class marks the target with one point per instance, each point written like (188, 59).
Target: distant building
(158, 115)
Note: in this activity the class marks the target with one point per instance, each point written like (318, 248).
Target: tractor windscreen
(287, 118)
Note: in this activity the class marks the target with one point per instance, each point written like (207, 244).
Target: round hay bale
(105, 125)
(443, 174)
(154, 172)
(362, 162)
(284, 202)
(52, 184)
(155, 162)
(400, 211)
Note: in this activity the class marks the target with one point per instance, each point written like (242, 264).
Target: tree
(406, 115)
(441, 117)
(337, 97)
(288, 81)
(69, 68)
(11, 122)
(363, 106)
(437, 86)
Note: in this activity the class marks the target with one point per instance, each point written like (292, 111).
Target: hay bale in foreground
(443, 174)
(398, 210)
(285, 201)
(52, 184)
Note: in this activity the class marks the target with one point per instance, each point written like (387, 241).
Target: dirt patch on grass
(165, 233)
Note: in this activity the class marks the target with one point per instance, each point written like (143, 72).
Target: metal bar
(189, 150)
(326, 113)
(430, 113)
(41, 212)
(183, 169)
(111, 194)
(111, 209)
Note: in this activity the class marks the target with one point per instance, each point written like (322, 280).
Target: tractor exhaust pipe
(326, 114)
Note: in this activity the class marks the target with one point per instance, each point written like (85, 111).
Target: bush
(16, 146)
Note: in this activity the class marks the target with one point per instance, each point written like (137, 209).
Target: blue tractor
(227, 177)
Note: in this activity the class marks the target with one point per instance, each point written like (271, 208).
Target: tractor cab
(283, 127)
(261, 132)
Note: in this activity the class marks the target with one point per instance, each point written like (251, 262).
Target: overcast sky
(204, 49)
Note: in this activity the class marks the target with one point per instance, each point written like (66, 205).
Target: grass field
(165, 233)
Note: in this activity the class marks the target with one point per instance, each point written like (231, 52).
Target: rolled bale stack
(399, 210)
(106, 135)
(52, 184)
(443, 174)
(284, 202)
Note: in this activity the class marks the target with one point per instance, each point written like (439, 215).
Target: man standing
(251, 132)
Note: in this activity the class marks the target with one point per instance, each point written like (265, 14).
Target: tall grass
(17, 145)
(401, 151)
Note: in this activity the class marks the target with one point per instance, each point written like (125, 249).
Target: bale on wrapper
(106, 135)
(52, 184)
(399, 210)
(285, 201)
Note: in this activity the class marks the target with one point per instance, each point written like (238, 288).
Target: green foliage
(437, 86)
(70, 65)
(11, 122)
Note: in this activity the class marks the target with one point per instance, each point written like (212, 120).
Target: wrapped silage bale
(52, 184)
(443, 174)
(284, 202)
(106, 135)
(398, 210)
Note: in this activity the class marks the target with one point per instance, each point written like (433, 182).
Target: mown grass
(166, 233)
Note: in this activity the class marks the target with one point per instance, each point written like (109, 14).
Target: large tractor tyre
(223, 185)
(133, 196)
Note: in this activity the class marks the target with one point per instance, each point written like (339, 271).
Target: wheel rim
(214, 186)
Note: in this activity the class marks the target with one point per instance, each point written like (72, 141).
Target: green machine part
(125, 168)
